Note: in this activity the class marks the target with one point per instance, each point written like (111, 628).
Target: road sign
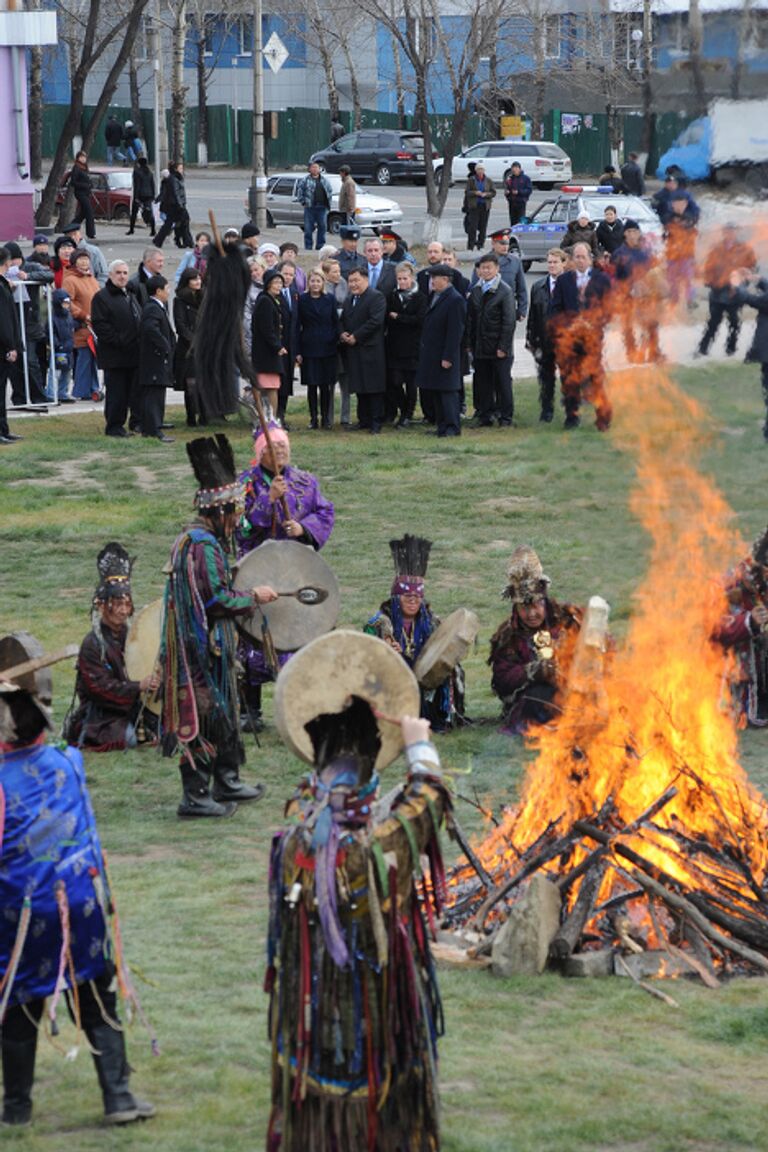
(275, 52)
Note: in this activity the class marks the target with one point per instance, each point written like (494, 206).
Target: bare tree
(695, 57)
(36, 107)
(101, 31)
(178, 13)
(205, 25)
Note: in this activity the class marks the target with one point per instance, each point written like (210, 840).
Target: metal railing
(51, 382)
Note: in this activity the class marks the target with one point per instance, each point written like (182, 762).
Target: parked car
(545, 228)
(546, 163)
(112, 193)
(377, 154)
(283, 208)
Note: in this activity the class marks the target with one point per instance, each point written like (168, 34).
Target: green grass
(528, 1065)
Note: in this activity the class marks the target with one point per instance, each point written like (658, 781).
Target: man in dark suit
(289, 311)
(116, 319)
(539, 337)
(152, 262)
(439, 370)
(363, 316)
(381, 272)
(10, 343)
(579, 312)
(156, 347)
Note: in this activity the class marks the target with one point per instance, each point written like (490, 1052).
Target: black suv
(376, 154)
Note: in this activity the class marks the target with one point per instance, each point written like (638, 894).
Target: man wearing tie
(539, 336)
(579, 312)
(363, 315)
(381, 273)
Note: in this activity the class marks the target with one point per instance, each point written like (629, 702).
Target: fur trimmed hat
(525, 576)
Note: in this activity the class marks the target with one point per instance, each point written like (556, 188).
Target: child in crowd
(63, 340)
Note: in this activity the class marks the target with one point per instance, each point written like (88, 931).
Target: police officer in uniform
(348, 256)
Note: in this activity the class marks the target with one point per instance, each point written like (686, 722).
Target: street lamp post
(257, 193)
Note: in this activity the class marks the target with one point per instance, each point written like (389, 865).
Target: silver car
(545, 228)
(283, 207)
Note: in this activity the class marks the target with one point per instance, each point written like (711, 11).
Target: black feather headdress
(213, 463)
(411, 557)
(114, 566)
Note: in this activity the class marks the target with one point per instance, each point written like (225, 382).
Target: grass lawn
(528, 1065)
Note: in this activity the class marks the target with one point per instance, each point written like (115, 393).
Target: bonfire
(636, 808)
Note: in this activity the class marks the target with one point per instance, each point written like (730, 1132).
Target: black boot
(18, 1078)
(199, 803)
(120, 1105)
(228, 786)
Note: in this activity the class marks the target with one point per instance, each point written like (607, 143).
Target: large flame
(656, 716)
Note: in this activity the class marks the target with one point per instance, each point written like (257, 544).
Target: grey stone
(589, 964)
(654, 963)
(521, 945)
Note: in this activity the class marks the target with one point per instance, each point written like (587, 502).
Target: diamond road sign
(275, 52)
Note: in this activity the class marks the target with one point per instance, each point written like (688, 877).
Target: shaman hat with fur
(525, 577)
(213, 463)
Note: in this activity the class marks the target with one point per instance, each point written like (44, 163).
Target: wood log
(570, 933)
(556, 848)
(455, 830)
(744, 927)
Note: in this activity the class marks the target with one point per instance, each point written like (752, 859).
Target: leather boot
(198, 803)
(120, 1105)
(18, 1078)
(227, 785)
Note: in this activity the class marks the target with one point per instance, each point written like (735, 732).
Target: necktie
(374, 277)
(287, 295)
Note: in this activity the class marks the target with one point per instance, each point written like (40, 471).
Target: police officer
(348, 256)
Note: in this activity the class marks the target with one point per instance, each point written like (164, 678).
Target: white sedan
(283, 208)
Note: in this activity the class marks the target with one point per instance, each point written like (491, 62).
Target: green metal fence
(302, 131)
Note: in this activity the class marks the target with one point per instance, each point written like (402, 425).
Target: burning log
(570, 933)
(456, 831)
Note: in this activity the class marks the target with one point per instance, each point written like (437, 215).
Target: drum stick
(39, 662)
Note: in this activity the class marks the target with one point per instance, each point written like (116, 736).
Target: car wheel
(438, 175)
(121, 213)
(334, 224)
(270, 221)
(382, 175)
(546, 185)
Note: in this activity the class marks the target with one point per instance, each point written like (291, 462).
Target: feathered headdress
(114, 566)
(411, 557)
(213, 463)
(525, 577)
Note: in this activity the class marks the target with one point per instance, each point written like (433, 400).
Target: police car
(545, 228)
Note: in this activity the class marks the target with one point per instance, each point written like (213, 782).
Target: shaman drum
(326, 673)
(446, 647)
(308, 604)
(142, 647)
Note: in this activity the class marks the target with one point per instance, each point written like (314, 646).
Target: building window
(551, 37)
(245, 36)
(628, 48)
(757, 35)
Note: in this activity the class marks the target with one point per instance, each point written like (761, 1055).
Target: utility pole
(257, 193)
(161, 129)
(646, 140)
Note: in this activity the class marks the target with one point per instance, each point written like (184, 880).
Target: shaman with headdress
(110, 702)
(531, 650)
(58, 933)
(355, 1010)
(743, 632)
(199, 642)
(406, 622)
(281, 502)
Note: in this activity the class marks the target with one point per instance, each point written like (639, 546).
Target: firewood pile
(685, 904)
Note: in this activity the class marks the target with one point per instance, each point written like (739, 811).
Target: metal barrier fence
(30, 369)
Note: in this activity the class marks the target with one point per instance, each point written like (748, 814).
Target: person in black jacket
(580, 314)
(143, 195)
(289, 303)
(113, 137)
(174, 204)
(406, 309)
(80, 182)
(186, 305)
(116, 320)
(362, 340)
(491, 323)
(632, 175)
(318, 348)
(156, 346)
(10, 343)
(610, 231)
(267, 343)
(753, 291)
(439, 370)
(539, 337)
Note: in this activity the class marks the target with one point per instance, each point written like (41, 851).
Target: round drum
(446, 647)
(142, 647)
(309, 601)
(326, 673)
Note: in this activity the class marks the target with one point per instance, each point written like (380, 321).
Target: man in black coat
(632, 175)
(143, 195)
(539, 337)
(491, 323)
(289, 310)
(754, 292)
(152, 262)
(116, 320)
(362, 340)
(156, 347)
(176, 214)
(439, 370)
(10, 343)
(579, 312)
(381, 273)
